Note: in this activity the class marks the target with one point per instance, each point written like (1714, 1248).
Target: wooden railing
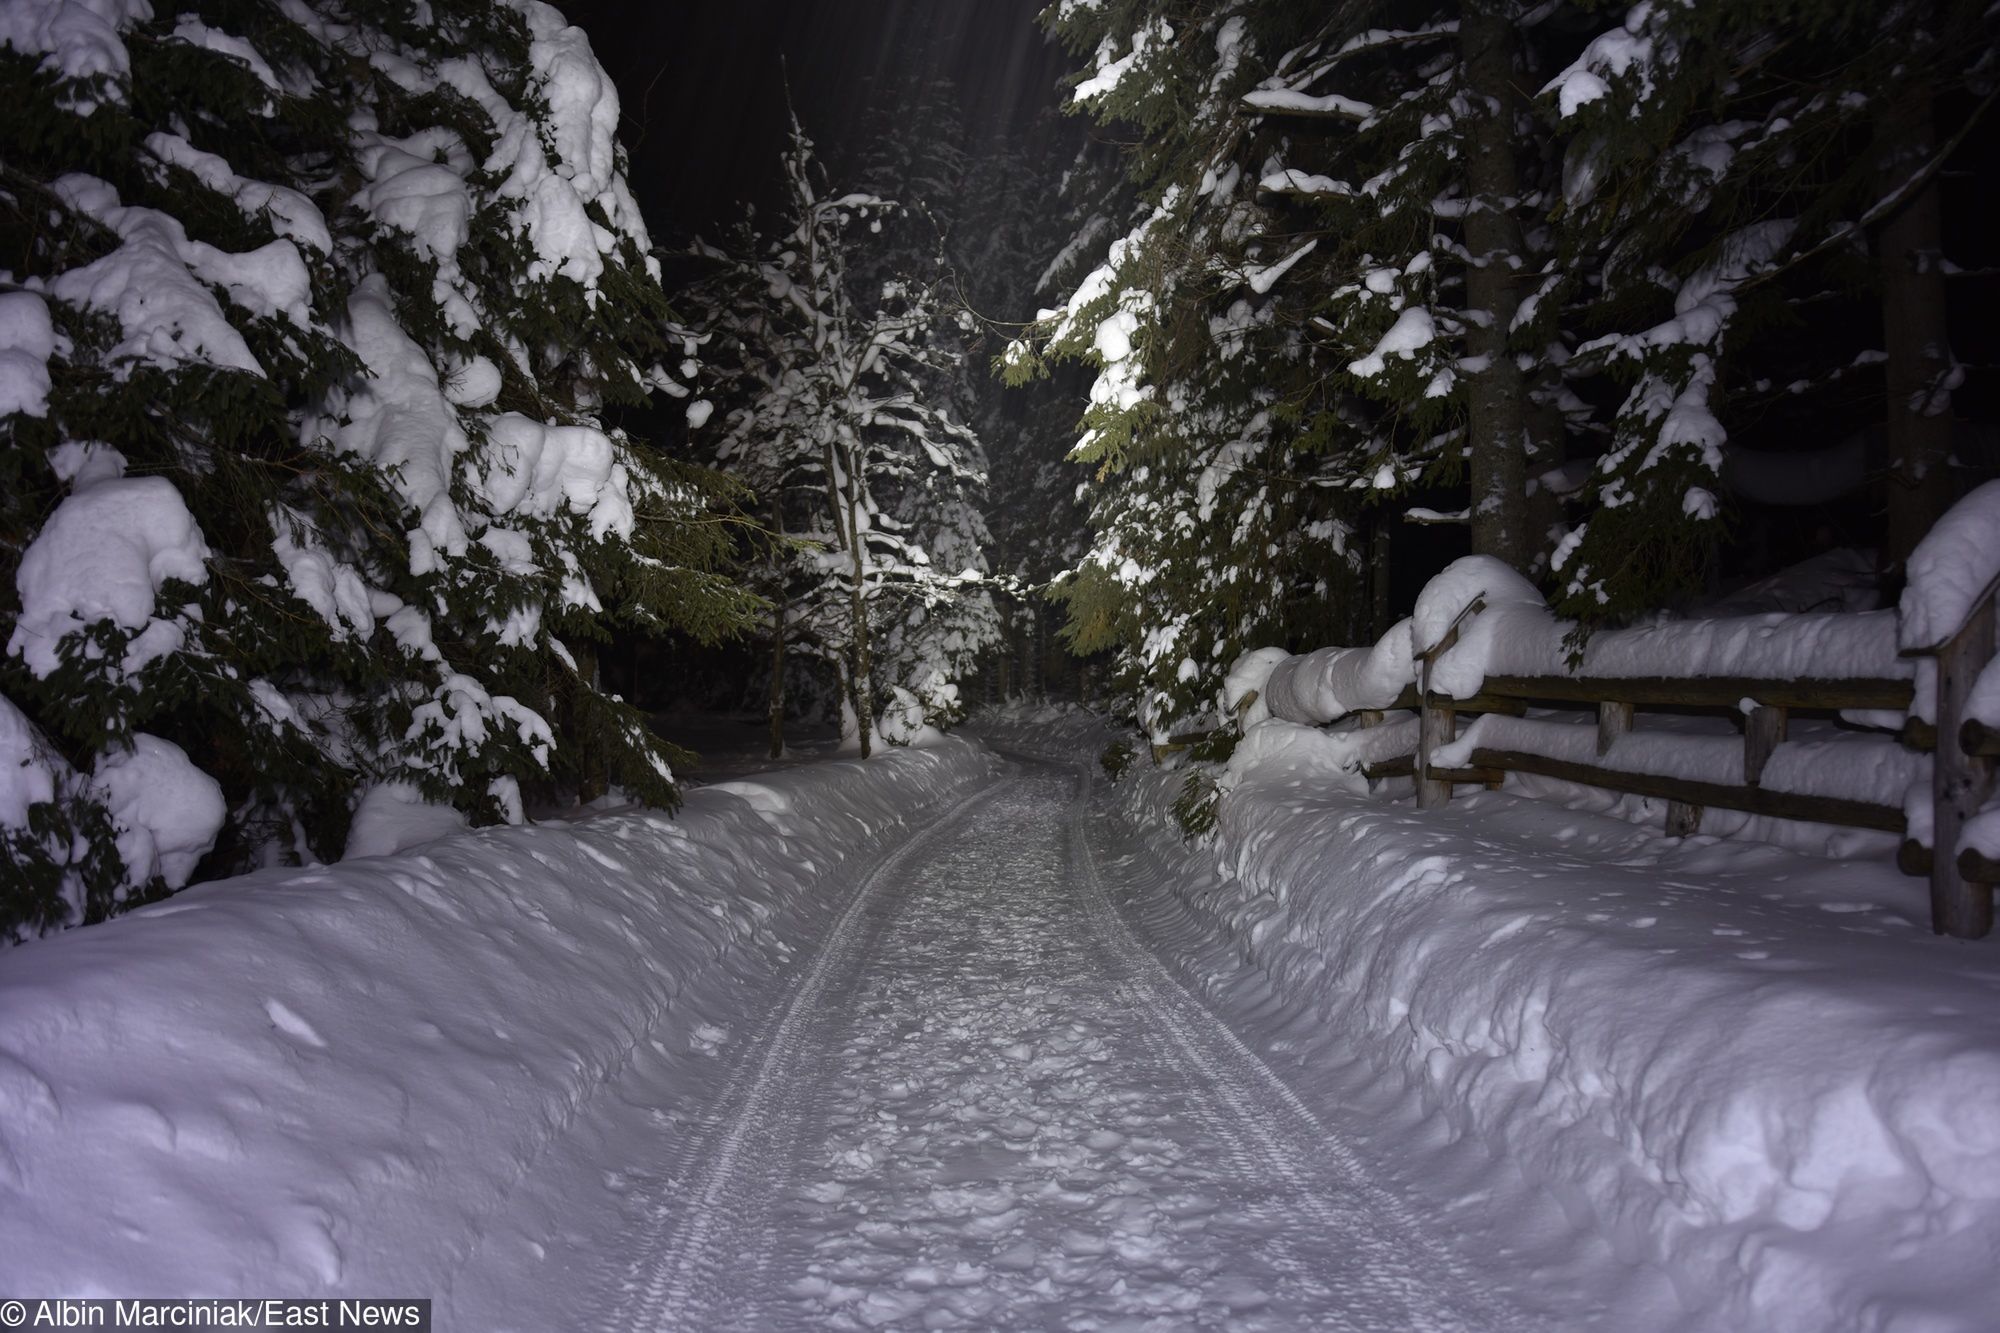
(1963, 751)
(1961, 886)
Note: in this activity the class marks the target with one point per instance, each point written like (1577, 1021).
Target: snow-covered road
(983, 1103)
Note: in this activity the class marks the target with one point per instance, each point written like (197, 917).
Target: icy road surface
(983, 1104)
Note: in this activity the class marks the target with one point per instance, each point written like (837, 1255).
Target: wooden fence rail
(1962, 887)
(1964, 771)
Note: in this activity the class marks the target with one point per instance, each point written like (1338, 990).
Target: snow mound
(394, 816)
(1843, 579)
(104, 555)
(329, 1082)
(1308, 755)
(167, 811)
(1685, 1084)
(1957, 560)
(902, 720)
(27, 341)
(1250, 672)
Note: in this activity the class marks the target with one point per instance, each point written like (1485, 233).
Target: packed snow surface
(986, 1106)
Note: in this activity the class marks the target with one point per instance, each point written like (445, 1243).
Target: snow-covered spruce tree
(1044, 215)
(832, 394)
(309, 316)
(1729, 169)
(1002, 218)
(1292, 327)
(1397, 139)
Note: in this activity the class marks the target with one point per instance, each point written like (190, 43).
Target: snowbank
(1676, 1084)
(328, 1081)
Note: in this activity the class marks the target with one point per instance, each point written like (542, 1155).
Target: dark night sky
(704, 92)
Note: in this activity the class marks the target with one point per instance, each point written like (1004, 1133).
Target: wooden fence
(1963, 768)
(1963, 771)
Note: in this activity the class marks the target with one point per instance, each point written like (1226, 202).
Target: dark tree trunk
(778, 641)
(860, 695)
(1915, 338)
(1379, 542)
(591, 781)
(778, 681)
(1496, 393)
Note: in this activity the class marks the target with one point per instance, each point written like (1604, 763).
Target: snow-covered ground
(985, 1106)
(917, 1044)
(1666, 1084)
(422, 1073)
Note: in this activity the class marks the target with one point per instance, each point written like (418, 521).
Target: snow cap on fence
(1950, 568)
(1516, 619)
(1330, 683)
(1251, 671)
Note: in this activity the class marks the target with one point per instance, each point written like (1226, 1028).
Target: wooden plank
(1405, 766)
(1978, 867)
(1756, 800)
(1707, 691)
(1683, 820)
(1614, 719)
(1437, 726)
(1484, 702)
(1401, 766)
(1918, 735)
(1914, 859)
(1978, 739)
(1959, 781)
(1763, 730)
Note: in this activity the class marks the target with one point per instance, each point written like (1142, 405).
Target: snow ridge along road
(984, 1104)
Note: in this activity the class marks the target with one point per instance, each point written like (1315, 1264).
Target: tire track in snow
(1265, 1128)
(693, 1232)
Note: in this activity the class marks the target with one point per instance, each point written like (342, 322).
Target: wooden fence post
(1613, 720)
(1683, 819)
(1960, 782)
(1437, 724)
(1437, 719)
(1763, 730)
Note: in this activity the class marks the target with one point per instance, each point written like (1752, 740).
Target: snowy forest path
(984, 1103)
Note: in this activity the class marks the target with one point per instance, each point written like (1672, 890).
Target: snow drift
(328, 1081)
(1688, 1084)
